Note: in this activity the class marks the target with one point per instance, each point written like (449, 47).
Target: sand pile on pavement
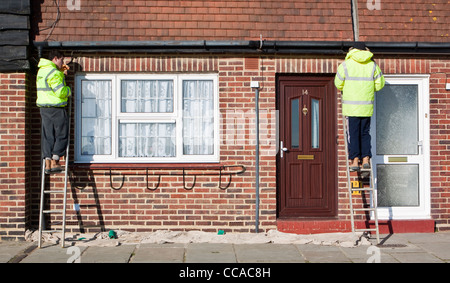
(167, 237)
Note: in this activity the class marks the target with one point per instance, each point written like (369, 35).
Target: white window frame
(422, 159)
(117, 116)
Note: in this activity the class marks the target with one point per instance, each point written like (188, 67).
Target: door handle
(420, 144)
(305, 110)
(283, 149)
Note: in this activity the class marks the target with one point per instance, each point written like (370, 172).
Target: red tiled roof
(111, 20)
(405, 20)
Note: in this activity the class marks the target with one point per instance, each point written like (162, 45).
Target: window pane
(96, 117)
(315, 123)
(295, 119)
(147, 140)
(198, 117)
(395, 134)
(147, 96)
(398, 185)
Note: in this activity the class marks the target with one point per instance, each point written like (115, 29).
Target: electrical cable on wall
(53, 25)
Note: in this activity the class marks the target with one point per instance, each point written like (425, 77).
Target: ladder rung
(364, 230)
(52, 231)
(52, 211)
(53, 192)
(364, 209)
(58, 172)
(362, 189)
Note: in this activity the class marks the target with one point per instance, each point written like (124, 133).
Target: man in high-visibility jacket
(52, 96)
(358, 77)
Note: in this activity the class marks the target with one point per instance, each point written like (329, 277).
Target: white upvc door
(401, 147)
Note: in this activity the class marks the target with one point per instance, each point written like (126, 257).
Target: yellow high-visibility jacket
(358, 77)
(52, 90)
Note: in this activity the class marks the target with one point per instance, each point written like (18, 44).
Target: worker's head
(56, 57)
(359, 45)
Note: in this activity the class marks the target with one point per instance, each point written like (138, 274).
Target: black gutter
(247, 47)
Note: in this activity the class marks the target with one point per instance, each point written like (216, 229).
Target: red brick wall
(14, 146)
(205, 207)
(440, 143)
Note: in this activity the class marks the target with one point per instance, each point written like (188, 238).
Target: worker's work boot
(47, 169)
(366, 164)
(55, 166)
(355, 164)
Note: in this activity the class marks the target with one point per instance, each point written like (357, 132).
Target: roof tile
(409, 20)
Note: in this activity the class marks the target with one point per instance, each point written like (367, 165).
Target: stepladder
(55, 217)
(360, 183)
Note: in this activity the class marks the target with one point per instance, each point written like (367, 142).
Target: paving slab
(327, 254)
(363, 254)
(115, 254)
(159, 253)
(54, 254)
(210, 253)
(416, 257)
(415, 238)
(437, 249)
(14, 251)
(265, 253)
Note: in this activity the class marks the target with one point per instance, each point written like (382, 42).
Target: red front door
(307, 157)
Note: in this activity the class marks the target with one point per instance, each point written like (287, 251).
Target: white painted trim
(146, 117)
(423, 158)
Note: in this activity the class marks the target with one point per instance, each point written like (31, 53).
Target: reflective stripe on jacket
(51, 85)
(358, 77)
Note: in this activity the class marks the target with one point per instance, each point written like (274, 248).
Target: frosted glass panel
(315, 123)
(397, 119)
(398, 185)
(295, 119)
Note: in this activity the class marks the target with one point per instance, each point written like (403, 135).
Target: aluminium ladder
(43, 212)
(371, 189)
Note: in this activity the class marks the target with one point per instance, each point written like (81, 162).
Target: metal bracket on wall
(220, 171)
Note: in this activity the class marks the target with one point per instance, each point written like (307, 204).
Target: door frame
(423, 211)
(312, 80)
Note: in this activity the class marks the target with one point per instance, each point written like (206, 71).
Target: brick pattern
(205, 207)
(440, 143)
(14, 141)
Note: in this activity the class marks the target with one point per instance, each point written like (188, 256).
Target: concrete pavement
(395, 248)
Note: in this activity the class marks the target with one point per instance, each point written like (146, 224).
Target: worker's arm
(379, 79)
(58, 85)
(339, 79)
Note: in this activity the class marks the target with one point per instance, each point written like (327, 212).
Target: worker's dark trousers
(55, 134)
(359, 137)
